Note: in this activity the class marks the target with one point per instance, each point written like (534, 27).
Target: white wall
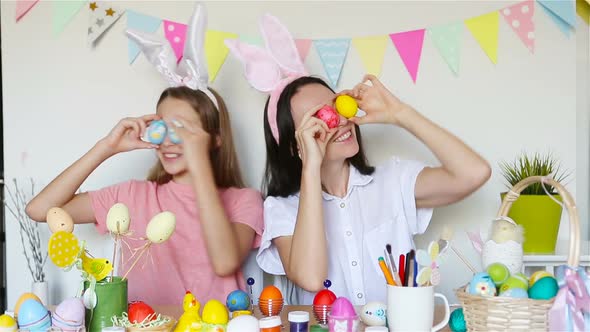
(60, 97)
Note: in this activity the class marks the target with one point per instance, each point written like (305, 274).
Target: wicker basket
(168, 327)
(509, 314)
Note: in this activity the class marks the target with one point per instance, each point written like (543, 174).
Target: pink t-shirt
(181, 263)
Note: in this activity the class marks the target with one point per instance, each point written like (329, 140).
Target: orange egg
(271, 293)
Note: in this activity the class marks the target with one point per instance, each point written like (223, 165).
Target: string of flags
(447, 38)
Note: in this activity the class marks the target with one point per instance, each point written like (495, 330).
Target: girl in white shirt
(328, 213)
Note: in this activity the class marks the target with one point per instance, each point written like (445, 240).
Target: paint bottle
(299, 321)
(270, 324)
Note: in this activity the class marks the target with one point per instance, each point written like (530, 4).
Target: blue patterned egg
(33, 316)
(482, 284)
(238, 300)
(156, 132)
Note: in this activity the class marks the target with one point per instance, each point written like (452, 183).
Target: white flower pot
(41, 289)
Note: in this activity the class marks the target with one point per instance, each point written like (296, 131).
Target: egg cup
(270, 307)
(321, 312)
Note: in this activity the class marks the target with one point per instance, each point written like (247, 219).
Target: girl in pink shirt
(218, 221)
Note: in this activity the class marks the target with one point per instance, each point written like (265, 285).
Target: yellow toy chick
(190, 321)
(99, 268)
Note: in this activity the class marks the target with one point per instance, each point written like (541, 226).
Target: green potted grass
(534, 209)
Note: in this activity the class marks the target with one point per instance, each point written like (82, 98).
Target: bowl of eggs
(270, 301)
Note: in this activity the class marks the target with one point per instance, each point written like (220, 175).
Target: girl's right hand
(313, 135)
(127, 134)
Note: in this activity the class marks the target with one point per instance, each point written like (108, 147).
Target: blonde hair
(224, 160)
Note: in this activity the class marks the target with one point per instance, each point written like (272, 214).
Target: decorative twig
(28, 230)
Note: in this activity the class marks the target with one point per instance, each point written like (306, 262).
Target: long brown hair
(224, 161)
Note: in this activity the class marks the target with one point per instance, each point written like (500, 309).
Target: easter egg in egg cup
(322, 304)
(7, 324)
(271, 301)
(328, 114)
(343, 315)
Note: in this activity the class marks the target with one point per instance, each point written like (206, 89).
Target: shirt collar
(355, 179)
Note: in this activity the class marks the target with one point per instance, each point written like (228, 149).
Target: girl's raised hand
(195, 140)
(379, 104)
(313, 135)
(127, 134)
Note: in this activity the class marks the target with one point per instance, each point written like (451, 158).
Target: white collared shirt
(378, 209)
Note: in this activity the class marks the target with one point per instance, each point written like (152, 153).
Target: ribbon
(571, 308)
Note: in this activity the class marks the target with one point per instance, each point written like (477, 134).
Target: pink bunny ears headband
(270, 70)
(192, 69)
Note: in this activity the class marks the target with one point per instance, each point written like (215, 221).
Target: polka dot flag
(520, 18)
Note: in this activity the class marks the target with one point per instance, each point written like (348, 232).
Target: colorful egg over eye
(156, 132)
(59, 220)
(346, 106)
(161, 227)
(329, 116)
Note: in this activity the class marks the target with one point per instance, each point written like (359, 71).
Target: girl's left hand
(379, 104)
(195, 140)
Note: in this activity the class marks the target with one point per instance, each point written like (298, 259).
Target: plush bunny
(504, 244)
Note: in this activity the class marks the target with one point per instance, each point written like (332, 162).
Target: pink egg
(69, 315)
(342, 308)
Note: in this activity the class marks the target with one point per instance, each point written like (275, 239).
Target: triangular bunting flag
(64, 12)
(332, 52)
(447, 39)
(564, 9)
(409, 47)
(23, 7)
(303, 46)
(583, 10)
(176, 35)
(485, 30)
(371, 50)
(520, 19)
(561, 24)
(252, 40)
(141, 22)
(216, 51)
(101, 15)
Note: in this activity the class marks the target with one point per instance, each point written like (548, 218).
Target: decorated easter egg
(118, 219)
(342, 308)
(544, 289)
(139, 312)
(515, 281)
(22, 299)
(457, 321)
(346, 106)
(538, 275)
(324, 297)
(161, 227)
(156, 132)
(329, 116)
(482, 284)
(499, 273)
(374, 314)
(271, 293)
(63, 248)
(7, 324)
(238, 300)
(33, 316)
(59, 220)
(245, 323)
(517, 293)
(214, 312)
(69, 314)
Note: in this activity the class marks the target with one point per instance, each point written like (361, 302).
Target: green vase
(540, 216)
(111, 296)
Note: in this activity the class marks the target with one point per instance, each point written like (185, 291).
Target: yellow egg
(22, 299)
(59, 220)
(161, 227)
(7, 323)
(118, 219)
(63, 248)
(215, 312)
(346, 106)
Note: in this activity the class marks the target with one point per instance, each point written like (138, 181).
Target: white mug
(412, 309)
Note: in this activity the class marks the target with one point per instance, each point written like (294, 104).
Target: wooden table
(176, 311)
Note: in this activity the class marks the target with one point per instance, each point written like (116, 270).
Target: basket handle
(574, 248)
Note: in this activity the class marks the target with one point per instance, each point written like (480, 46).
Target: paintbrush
(396, 277)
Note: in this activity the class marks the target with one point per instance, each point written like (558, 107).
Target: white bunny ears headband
(192, 69)
(270, 70)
